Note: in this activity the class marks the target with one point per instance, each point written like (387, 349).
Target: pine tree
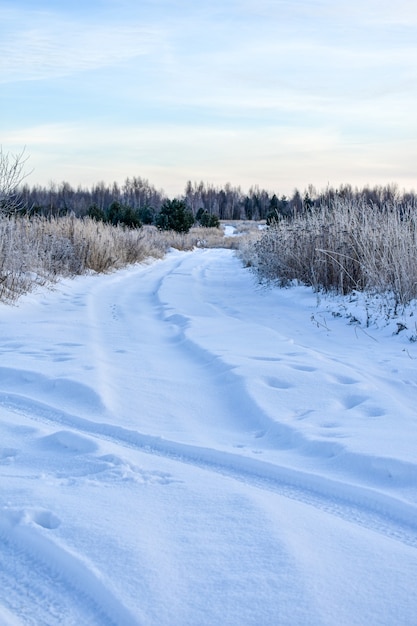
(174, 215)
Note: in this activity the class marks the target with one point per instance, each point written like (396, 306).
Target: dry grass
(37, 251)
(349, 246)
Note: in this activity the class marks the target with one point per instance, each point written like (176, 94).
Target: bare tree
(12, 174)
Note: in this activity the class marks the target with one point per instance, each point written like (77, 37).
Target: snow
(229, 230)
(180, 445)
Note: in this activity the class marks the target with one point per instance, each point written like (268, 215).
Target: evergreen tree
(174, 215)
(121, 214)
(199, 214)
(146, 215)
(207, 220)
(96, 213)
(308, 203)
(114, 213)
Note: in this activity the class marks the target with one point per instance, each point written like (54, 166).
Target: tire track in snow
(170, 324)
(359, 505)
(354, 503)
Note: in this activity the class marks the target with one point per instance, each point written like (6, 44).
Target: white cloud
(377, 12)
(38, 45)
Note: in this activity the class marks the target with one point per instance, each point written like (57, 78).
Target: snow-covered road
(180, 446)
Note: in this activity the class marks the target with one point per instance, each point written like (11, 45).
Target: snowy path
(179, 446)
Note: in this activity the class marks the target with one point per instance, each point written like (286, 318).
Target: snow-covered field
(181, 446)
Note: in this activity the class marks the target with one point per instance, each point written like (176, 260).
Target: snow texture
(182, 446)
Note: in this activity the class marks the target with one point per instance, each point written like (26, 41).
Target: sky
(277, 93)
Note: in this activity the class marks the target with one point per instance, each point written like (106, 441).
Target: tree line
(143, 201)
(137, 201)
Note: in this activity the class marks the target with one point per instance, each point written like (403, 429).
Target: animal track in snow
(114, 312)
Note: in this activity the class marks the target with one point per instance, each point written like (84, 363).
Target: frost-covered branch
(12, 174)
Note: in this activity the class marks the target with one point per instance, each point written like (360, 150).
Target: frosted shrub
(348, 246)
(247, 248)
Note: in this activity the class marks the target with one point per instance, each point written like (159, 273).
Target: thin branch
(12, 174)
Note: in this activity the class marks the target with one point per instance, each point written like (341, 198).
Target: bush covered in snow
(343, 247)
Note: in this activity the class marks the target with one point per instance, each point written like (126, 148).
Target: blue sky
(277, 93)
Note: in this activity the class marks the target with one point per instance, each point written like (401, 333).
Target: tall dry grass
(347, 246)
(37, 251)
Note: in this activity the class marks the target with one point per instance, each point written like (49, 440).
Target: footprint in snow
(277, 383)
(303, 368)
(45, 519)
(352, 401)
(344, 380)
(374, 411)
(62, 358)
(20, 517)
(330, 425)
